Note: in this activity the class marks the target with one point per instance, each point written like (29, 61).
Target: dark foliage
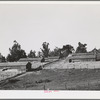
(32, 54)
(3, 59)
(55, 52)
(16, 53)
(66, 50)
(45, 49)
(81, 48)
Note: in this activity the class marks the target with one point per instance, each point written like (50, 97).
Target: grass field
(14, 68)
(60, 75)
(9, 73)
(56, 79)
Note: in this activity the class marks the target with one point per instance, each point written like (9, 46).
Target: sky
(58, 24)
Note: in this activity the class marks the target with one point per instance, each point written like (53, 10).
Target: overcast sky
(31, 25)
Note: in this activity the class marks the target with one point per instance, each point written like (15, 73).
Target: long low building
(38, 59)
(29, 59)
(84, 57)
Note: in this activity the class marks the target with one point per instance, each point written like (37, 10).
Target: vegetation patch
(43, 81)
(13, 80)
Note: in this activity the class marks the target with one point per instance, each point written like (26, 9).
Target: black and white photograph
(50, 47)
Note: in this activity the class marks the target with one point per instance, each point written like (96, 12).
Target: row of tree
(16, 52)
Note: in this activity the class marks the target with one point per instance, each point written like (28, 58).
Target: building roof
(29, 59)
(38, 59)
(82, 56)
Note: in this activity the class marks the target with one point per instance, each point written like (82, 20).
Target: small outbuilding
(28, 66)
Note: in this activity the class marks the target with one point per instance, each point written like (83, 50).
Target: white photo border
(34, 94)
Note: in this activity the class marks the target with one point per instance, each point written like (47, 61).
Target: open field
(14, 68)
(59, 75)
(56, 79)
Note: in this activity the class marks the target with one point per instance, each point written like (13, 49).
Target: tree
(10, 58)
(3, 59)
(45, 49)
(81, 48)
(39, 54)
(66, 50)
(51, 53)
(16, 52)
(32, 54)
(55, 52)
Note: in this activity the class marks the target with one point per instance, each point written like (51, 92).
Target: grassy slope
(56, 79)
